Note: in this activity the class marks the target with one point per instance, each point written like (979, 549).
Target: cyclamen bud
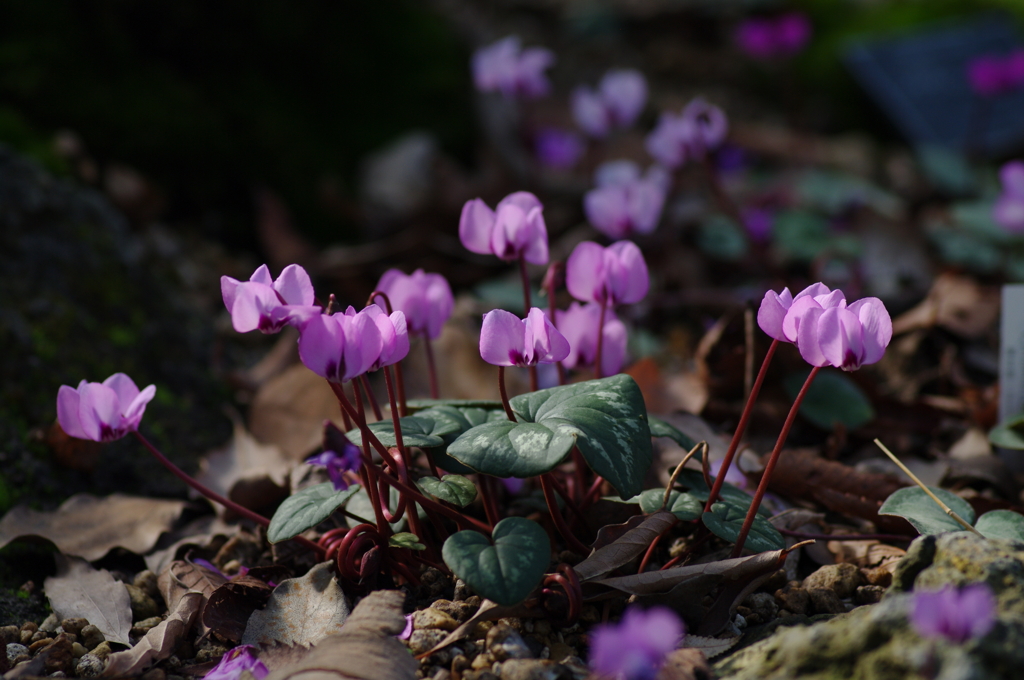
(613, 275)
(507, 340)
(267, 304)
(425, 299)
(514, 229)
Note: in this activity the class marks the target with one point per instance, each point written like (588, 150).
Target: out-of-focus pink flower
(618, 101)
(267, 304)
(506, 67)
(733, 475)
(625, 202)
(846, 337)
(557, 148)
(636, 647)
(579, 325)
(1009, 207)
(954, 615)
(516, 228)
(425, 299)
(613, 275)
(340, 347)
(241, 658)
(699, 129)
(773, 38)
(507, 340)
(771, 316)
(103, 411)
(990, 75)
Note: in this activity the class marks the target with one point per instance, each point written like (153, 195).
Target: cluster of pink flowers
(625, 201)
(774, 38)
(618, 101)
(506, 67)
(688, 135)
(990, 74)
(826, 330)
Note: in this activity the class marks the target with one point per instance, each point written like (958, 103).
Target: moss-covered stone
(877, 642)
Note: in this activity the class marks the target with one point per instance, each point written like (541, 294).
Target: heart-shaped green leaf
(605, 418)
(726, 519)
(420, 404)
(831, 398)
(507, 570)
(659, 428)
(404, 539)
(914, 505)
(305, 509)
(685, 506)
(1005, 524)
(416, 431)
(1009, 434)
(458, 419)
(455, 489)
(694, 481)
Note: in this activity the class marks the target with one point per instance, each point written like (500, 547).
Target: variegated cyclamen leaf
(726, 520)
(915, 506)
(456, 419)
(685, 506)
(454, 489)
(605, 418)
(424, 433)
(659, 428)
(305, 509)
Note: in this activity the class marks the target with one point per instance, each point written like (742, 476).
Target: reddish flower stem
(213, 495)
(368, 471)
(573, 543)
(431, 506)
(431, 368)
(399, 441)
(504, 394)
(600, 341)
(371, 397)
(398, 364)
(767, 475)
(526, 310)
(650, 549)
(741, 427)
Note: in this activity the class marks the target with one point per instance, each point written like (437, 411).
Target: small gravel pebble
(146, 625)
(50, 624)
(143, 606)
(434, 619)
(146, 581)
(826, 601)
(842, 579)
(503, 642)
(422, 641)
(89, 666)
(9, 634)
(74, 626)
(14, 650)
(78, 650)
(102, 650)
(91, 636)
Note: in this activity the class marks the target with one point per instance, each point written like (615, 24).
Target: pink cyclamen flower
(691, 134)
(506, 67)
(394, 335)
(1008, 210)
(267, 304)
(759, 223)
(844, 336)
(103, 411)
(990, 75)
(955, 615)
(774, 307)
(579, 326)
(618, 101)
(636, 647)
(613, 275)
(559, 149)
(507, 340)
(425, 299)
(340, 347)
(782, 36)
(625, 202)
(514, 229)
(241, 658)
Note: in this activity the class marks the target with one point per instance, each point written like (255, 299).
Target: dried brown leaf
(229, 607)
(160, 642)
(957, 303)
(80, 591)
(277, 656)
(688, 663)
(489, 611)
(300, 610)
(610, 533)
(711, 647)
(183, 577)
(364, 649)
(289, 411)
(90, 527)
(624, 549)
(800, 473)
(652, 582)
(249, 473)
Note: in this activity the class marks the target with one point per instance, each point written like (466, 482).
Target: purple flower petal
(322, 346)
(543, 342)
(294, 286)
(807, 331)
(68, 400)
(839, 337)
(502, 339)
(99, 412)
(627, 273)
(772, 312)
(877, 328)
(124, 387)
(475, 226)
(624, 93)
(589, 112)
(585, 272)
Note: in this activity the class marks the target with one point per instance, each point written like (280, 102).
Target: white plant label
(1011, 353)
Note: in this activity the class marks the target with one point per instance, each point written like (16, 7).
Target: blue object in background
(920, 82)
